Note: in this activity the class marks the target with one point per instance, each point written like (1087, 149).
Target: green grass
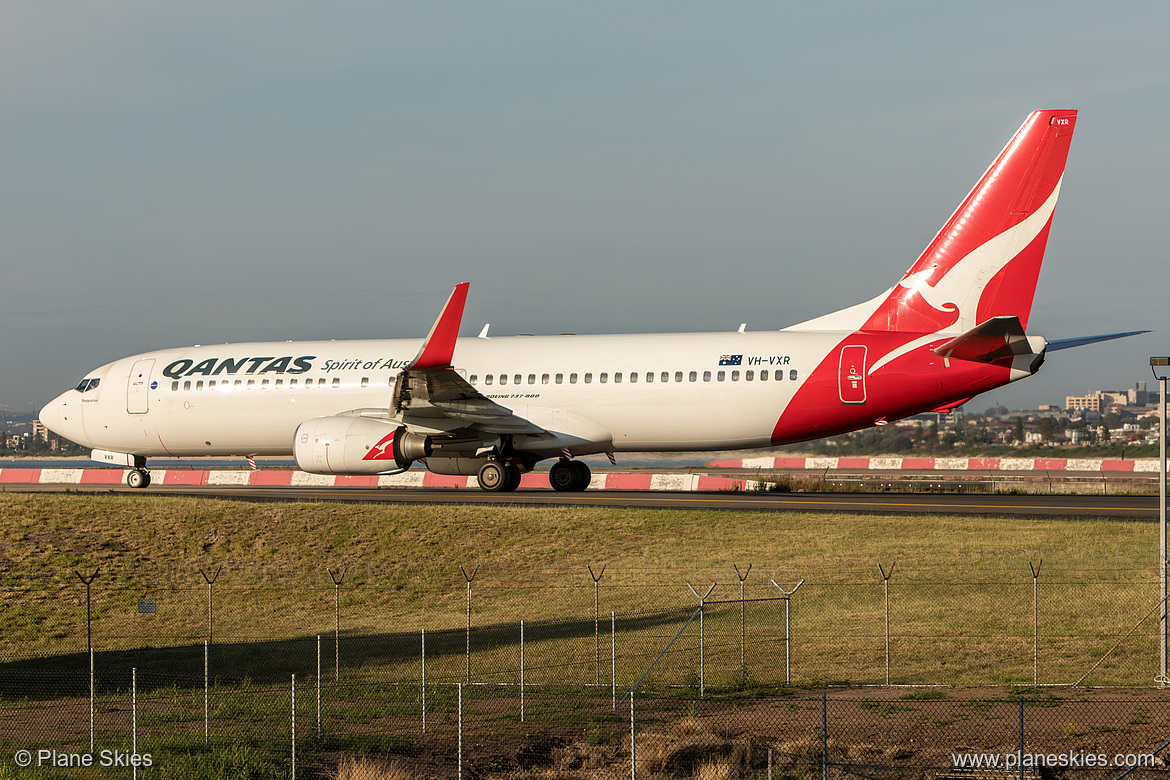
(960, 596)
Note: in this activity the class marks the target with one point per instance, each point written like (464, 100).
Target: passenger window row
(263, 384)
(633, 377)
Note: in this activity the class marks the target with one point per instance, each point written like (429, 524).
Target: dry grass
(351, 768)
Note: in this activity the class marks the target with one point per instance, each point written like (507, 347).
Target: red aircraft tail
(985, 261)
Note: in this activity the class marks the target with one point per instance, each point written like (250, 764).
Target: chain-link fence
(496, 670)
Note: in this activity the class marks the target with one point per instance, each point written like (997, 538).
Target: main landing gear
(496, 476)
(138, 478)
(569, 475)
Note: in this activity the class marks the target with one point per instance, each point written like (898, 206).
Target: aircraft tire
(582, 473)
(137, 479)
(562, 476)
(493, 476)
(513, 477)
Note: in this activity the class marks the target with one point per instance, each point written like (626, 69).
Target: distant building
(39, 431)
(1139, 396)
(1084, 403)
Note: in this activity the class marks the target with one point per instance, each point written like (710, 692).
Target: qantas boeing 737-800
(953, 326)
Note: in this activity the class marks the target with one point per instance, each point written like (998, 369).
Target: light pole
(1162, 364)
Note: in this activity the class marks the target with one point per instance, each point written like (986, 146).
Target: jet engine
(345, 444)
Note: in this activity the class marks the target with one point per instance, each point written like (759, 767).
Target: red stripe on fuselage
(912, 383)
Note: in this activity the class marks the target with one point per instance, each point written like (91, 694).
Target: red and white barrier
(410, 479)
(893, 463)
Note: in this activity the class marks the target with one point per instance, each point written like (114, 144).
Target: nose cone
(62, 416)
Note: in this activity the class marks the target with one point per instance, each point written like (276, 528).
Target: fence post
(206, 692)
(424, 681)
(702, 635)
(613, 656)
(742, 632)
(886, 584)
(467, 657)
(596, 625)
(460, 730)
(210, 613)
(134, 719)
(318, 686)
(633, 742)
(294, 726)
(787, 628)
(1036, 620)
(521, 671)
(337, 580)
(91, 702)
(1021, 754)
(824, 736)
(88, 581)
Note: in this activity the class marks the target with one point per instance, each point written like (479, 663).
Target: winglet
(438, 349)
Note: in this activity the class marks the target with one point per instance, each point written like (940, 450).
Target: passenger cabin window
(487, 379)
(532, 379)
(665, 376)
(749, 375)
(239, 382)
(678, 376)
(199, 385)
(721, 376)
(264, 384)
(649, 376)
(560, 378)
(503, 379)
(694, 376)
(588, 378)
(764, 376)
(516, 379)
(734, 376)
(336, 381)
(633, 376)
(175, 385)
(792, 375)
(474, 379)
(572, 379)
(617, 377)
(706, 376)
(603, 377)
(544, 379)
(251, 382)
(365, 381)
(187, 385)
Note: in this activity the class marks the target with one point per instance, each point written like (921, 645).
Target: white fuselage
(643, 392)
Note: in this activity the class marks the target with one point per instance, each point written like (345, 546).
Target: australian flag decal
(731, 360)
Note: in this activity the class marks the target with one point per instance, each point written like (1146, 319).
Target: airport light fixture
(1161, 368)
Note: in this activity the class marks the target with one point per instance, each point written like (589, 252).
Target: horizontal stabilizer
(1083, 340)
(999, 338)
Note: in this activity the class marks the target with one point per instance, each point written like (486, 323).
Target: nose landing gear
(138, 478)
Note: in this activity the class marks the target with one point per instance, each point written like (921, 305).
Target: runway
(1140, 508)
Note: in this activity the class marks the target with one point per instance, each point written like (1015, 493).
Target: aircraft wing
(431, 396)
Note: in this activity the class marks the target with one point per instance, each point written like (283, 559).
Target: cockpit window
(87, 384)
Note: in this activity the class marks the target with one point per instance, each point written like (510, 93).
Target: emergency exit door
(851, 374)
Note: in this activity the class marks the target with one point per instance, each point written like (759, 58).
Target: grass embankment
(960, 596)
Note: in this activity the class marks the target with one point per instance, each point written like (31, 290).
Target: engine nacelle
(356, 445)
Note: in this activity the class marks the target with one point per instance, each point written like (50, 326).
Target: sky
(183, 173)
